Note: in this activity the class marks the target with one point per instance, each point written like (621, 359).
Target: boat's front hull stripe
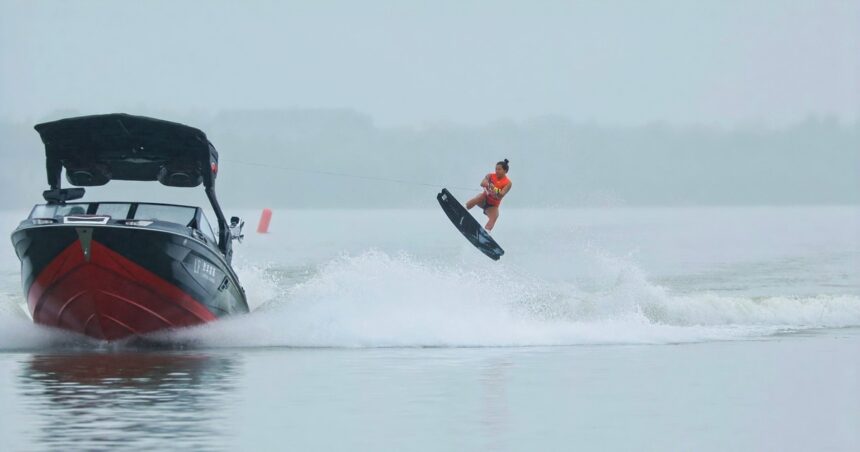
(81, 295)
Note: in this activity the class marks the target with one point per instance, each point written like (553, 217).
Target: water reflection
(495, 409)
(129, 400)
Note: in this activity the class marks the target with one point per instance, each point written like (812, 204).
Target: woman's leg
(493, 213)
(475, 201)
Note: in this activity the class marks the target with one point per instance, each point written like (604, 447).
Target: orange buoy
(265, 219)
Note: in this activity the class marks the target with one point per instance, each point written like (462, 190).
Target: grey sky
(613, 62)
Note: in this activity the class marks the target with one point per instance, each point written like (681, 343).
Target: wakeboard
(468, 225)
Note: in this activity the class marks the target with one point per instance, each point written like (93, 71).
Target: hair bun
(506, 161)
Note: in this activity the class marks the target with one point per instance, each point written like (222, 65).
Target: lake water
(724, 328)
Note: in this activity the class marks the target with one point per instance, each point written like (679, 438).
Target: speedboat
(110, 270)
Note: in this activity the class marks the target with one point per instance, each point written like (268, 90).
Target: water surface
(730, 328)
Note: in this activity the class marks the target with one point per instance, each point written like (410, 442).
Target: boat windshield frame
(196, 217)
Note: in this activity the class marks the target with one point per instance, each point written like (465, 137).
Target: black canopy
(97, 149)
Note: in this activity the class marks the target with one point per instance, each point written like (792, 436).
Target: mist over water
(294, 158)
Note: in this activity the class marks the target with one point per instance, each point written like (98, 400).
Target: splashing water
(377, 300)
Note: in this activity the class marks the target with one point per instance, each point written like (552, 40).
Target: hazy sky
(409, 63)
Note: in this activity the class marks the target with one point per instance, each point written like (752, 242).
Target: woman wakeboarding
(496, 186)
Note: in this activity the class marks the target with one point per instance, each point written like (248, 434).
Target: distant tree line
(340, 159)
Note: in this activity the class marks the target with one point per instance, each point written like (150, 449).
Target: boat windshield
(117, 210)
(206, 227)
(173, 214)
(53, 210)
(182, 215)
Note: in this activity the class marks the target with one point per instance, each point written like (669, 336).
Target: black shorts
(485, 205)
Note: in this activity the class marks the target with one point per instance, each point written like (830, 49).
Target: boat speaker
(179, 176)
(88, 176)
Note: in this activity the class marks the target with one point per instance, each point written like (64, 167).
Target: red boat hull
(108, 296)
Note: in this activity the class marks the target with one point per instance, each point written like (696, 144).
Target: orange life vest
(498, 184)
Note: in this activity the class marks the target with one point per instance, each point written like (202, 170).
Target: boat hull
(111, 282)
